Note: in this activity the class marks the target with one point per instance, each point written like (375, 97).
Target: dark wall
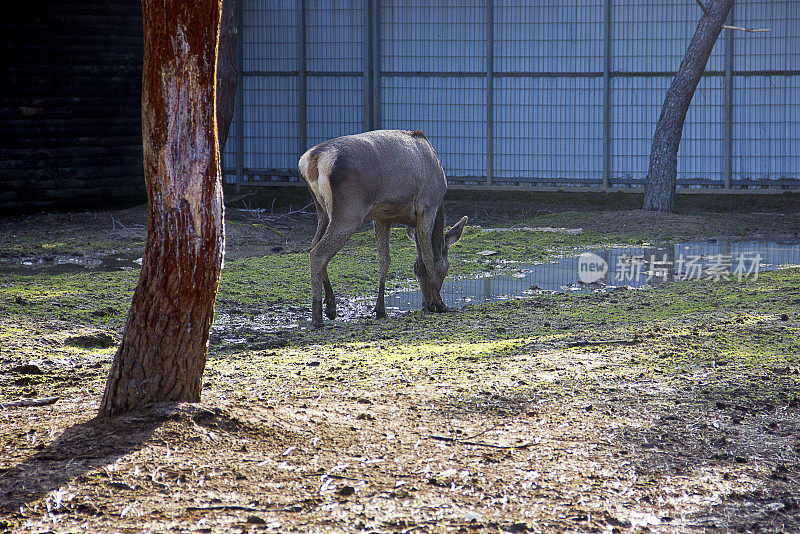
(70, 120)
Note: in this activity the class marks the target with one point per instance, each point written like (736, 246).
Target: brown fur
(385, 177)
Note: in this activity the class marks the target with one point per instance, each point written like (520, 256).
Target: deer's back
(388, 174)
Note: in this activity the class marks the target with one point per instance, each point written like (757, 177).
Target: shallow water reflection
(627, 267)
(630, 267)
(61, 264)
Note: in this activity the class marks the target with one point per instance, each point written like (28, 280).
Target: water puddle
(607, 269)
(631, 267)
(61, 264)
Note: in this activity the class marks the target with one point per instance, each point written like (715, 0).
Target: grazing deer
(384, 176)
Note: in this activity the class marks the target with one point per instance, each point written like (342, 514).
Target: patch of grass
(678, 307)
(675, 310)
(632, 227)
(99, 299)
(732, 330)
(22, 245)
(285, 277)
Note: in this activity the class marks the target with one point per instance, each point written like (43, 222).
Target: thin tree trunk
(163, 350)
(227, 71)
(662, 174)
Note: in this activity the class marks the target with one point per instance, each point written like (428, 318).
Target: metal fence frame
(373, 73)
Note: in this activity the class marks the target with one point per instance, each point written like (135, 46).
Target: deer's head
(442, 241)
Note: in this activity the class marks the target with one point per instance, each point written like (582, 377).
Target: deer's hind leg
(332, 240)
(322, 226)
(382, 231)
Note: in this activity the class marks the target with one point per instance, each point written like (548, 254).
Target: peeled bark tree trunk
(662, 174)
(227, 71)
(163, 350)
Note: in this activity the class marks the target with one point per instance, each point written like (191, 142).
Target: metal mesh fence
(549, 129)
(652, 36)
(544, 36)
(450, 110)
(637, 106)
(334, 37)
(270, 103)
(767, 137)
(269, 36)
(445, 37)
(519, 92)
(333, 107)
(768, 51)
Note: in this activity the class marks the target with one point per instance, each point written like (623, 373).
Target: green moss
(727, 332)
(23, 245)
(729, 329)
(100, 299)
(285, 277)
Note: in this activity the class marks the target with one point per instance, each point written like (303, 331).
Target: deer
(387, 177)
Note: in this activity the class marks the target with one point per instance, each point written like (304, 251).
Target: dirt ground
(672, 409)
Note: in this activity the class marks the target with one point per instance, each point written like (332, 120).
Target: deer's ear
(454, 233)
(410, 234)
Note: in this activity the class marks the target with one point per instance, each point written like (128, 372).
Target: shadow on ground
(81, 449)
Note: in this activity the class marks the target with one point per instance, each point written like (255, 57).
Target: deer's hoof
(330, 311)
(317, 324)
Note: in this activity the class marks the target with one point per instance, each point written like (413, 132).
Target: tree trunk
(163, 350)
(662, 174)
(227, 71)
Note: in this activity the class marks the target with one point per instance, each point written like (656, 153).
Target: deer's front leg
(330, 298)
(382, 230)
(425, 265)
(320, 284)
(316, 300)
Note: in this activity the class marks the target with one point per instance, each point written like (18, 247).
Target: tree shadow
(80, 449)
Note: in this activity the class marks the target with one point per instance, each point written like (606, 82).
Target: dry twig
(447, 439)
(586, 342)
(225, 507)
(44, 401)
(751, 30)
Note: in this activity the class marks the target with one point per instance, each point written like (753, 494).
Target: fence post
(302, 93)
(366, 85)
(489, 92)
(376, 64)
(238, 103)
(607, 97)
(728, 150)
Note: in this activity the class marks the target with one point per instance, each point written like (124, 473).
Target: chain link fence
(537, 93)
